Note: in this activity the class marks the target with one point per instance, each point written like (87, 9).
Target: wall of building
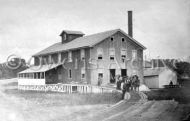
(51, 76)
(152, 81)
(75, 66)
(93, 66)
(60, 74)
(105, 64)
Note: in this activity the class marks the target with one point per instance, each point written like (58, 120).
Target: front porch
(39, 75)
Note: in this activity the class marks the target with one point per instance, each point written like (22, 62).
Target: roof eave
(138, 43)
(59, 51)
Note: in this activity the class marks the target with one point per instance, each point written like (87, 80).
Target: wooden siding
(106, 64)
(103, 66)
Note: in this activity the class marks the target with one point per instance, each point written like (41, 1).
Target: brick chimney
(130, 23)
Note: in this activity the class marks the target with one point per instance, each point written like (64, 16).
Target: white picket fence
(68, 88)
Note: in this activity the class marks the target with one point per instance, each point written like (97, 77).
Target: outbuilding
(159, 77)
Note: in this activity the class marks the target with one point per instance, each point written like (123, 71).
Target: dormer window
(68, 35)
(64, 36)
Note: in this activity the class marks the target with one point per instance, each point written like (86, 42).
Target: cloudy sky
(28, 26)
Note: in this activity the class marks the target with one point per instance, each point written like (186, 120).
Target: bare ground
(18, 108)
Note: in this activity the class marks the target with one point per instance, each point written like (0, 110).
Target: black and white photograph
(94, 60)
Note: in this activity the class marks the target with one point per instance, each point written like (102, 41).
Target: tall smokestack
(130, 23)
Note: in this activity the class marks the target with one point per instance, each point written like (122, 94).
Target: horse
(134, 82)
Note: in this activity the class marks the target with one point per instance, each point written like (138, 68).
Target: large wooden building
(82, 59)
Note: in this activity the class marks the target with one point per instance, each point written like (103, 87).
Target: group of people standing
(127, 84)
(124, 83)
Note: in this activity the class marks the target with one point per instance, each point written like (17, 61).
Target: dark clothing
(99, 81)
(123, 94)
(119, 85)
(128, 86)
(171, 83)
(125, 88)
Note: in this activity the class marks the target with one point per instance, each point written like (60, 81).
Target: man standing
(123, 87)
(99, 80)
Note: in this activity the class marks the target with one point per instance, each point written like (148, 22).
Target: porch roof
(41, 68)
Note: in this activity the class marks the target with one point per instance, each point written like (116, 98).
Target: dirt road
(136, 109)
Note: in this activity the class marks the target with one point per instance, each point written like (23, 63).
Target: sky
(28, 26)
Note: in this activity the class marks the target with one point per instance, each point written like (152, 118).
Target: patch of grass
(182, 95)
(55, 98)
(11, 84)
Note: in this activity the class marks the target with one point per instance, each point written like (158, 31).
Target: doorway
(112, 75)
(123, 72)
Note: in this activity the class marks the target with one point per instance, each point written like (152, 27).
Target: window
(64, 36)
(59, 57)
(111, 42)
(70, 56)
(40, 58)
(44, 60)
(112, 53)
(112, 58)
(42, 75)
(49, 59)
(70, 74)
(82, 73)
(100, 53)
(123, 39)
(134, 54)
(82, 54)
(111, 39)
(83, 76)
(100, 75)
(100, 57)
(123, 55)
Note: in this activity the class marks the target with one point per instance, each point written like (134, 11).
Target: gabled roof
(72, 32)
(155, 71)
(82, 42)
